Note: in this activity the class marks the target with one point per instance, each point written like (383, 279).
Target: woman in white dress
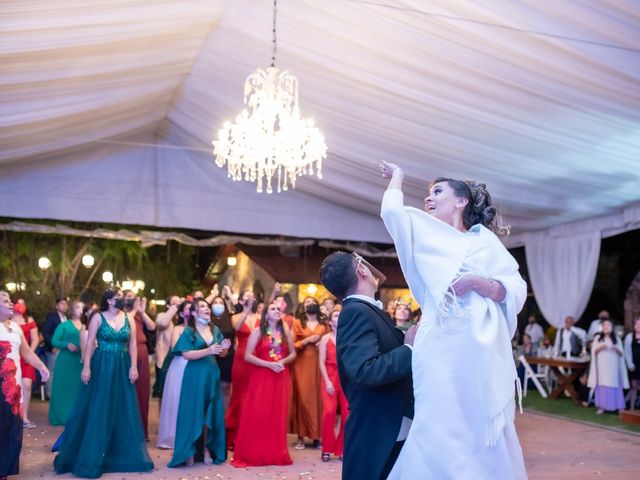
(607, 372)
(470, 291)
(172, 387)
(13, 344)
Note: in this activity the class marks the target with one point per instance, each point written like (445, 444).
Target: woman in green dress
(200, 429)
(68, 366)
(104, 431)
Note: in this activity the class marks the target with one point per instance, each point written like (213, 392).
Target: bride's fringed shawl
(433, 255)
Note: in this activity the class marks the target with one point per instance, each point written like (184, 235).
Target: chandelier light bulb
(232, 261)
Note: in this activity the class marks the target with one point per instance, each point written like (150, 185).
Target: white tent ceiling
(109, 108)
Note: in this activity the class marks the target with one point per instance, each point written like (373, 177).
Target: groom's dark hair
(338, 274)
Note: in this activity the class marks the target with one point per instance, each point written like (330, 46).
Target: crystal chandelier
(269, 138)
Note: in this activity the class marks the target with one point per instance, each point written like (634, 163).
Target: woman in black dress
(221, 318)
(632, 356)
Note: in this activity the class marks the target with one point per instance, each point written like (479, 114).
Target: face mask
(283, 307)
(20, 309)
(312, 309)
(217, 309)
(202, 321)
(120, 303)
(128, 305)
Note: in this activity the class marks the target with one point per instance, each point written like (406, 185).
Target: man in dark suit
(50, 324)
(374, 363)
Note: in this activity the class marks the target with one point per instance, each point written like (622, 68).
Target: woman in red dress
(243, 323)
(144, 323)
(333, 398)
(262, 433)
(30, 329)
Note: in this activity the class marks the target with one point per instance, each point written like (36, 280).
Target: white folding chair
(529, 374)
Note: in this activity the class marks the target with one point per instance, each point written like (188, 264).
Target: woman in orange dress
(306, 404)
(243, 323)
(262, 433)
(333, 399)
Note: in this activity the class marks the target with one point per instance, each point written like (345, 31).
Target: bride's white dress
(464, 375)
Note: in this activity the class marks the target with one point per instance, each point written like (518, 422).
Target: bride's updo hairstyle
(479, 209)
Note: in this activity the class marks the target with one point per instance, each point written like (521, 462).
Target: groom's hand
(410, 336)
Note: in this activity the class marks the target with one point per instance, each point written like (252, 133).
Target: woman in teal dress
(68, 366)
(200, 427)
(104, 431)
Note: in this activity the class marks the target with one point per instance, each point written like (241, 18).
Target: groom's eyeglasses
(378, 275)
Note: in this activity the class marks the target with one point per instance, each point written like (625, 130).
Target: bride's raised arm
(396, 220)
(394, 172)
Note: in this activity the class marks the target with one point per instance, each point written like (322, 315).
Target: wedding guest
(402, 316)
(68, 366)
(87, 314)
(243, 323)
(607, 373)
(390, 309)
(262, 433)
(174, 366)
(104, 431)
(283, 301)
(334, 401)
(30, 330)
(165, 322)
(534, 330)
(200, 413)
(259, 309)
(569, 340)
(138, 308)
(327, 305)
(222, 319)
(13, 346)
(306, 405)
(283, 305)
(596, 325)
(50, 325)
(546, 349)
(632, 356)
(528, 349)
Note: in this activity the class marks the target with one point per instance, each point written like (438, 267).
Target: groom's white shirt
(406, 421)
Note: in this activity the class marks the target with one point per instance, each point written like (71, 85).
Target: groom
(374, 362)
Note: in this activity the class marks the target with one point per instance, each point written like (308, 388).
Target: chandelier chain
(275, 40)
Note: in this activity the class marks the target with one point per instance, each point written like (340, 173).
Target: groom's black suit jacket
(375, 374)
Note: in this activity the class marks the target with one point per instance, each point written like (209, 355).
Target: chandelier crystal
(269, 138)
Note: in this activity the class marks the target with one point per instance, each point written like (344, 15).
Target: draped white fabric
(562, 270)
(552, 125)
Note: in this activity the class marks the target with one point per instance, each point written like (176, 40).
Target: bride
(470, 292)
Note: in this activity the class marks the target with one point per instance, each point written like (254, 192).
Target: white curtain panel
(562, 271)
